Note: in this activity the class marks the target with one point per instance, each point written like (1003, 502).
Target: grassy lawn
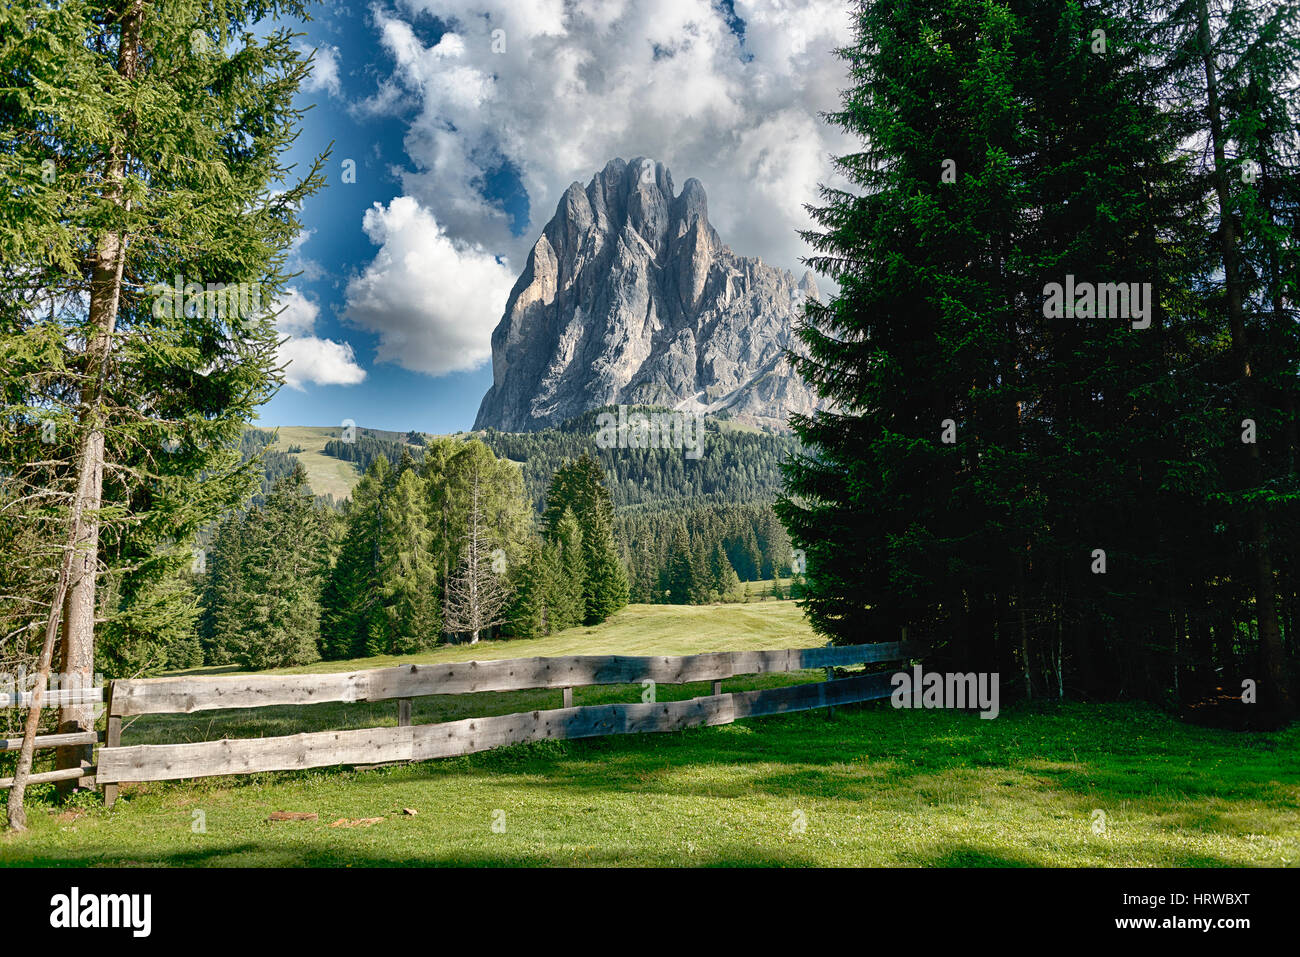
(326, 474)
(867, 785)
(636, 630)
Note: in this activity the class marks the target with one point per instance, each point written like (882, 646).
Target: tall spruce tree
(284, 572)
(680, 584)
(568, 558)
(605, 590)
(351, 596)
(1230, 73)
(579, 487)
(531, 615)
(224, 591)
(1021, 483)
(408, 618)
(139, 144)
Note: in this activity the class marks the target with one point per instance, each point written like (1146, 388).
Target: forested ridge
(721, 502)
(737, 465)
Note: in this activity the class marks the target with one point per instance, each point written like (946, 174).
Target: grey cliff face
(630, 296)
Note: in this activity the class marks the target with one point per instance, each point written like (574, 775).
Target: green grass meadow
(1069, 785)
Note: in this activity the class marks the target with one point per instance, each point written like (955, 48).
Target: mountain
(630, 296)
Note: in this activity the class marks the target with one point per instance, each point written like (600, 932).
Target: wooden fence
(53, 699)
(117, 764)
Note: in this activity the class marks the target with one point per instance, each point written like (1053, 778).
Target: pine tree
(408, 617)
(680, 579)
(569, 560)
(454, 471)
(977, 449)
(726, 581)
(1261, 47)
(478, 592)
(579, 487)
(351, 595)
(605, 589)
(530, 612)
(284, 574)
(130, 155)
(224, 591)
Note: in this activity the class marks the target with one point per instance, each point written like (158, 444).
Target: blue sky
(467, 119)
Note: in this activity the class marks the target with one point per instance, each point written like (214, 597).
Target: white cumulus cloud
(432, 300)
(324, 76)
(566, 86)
(307, 357)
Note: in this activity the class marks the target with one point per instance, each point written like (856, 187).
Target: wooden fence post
(830, 676)
(717, 687)
(568, 698)
(112, 739)
(403, 712)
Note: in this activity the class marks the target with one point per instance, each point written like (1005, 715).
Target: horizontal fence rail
(69, 739)
(54, 740)
(186, 695)
(163, 762)
(48, 777)
(116, 764)
(54, 698)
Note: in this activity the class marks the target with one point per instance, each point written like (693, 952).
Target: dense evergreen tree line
(426, 550)
(701, 553)
(364, 448)
(1088, 500)
(275, 465)
(723, 498)
(736, 465)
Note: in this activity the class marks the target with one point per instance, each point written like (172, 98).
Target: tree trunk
(77, 652)
(78, 646)
(17, 813)
(1277, 697)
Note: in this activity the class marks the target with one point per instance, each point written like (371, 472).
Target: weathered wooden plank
(189, 694)
(369, 746)
(165, 762)
(480, 734)
(56, 698)
(47, 777)
(52, 740)
(112, 739)
(821, 694)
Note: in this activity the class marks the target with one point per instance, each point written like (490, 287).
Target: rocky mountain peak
(630, 296)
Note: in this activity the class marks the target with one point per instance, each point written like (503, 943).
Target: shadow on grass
(940, 757)
(230, 856)
(1025, 767)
